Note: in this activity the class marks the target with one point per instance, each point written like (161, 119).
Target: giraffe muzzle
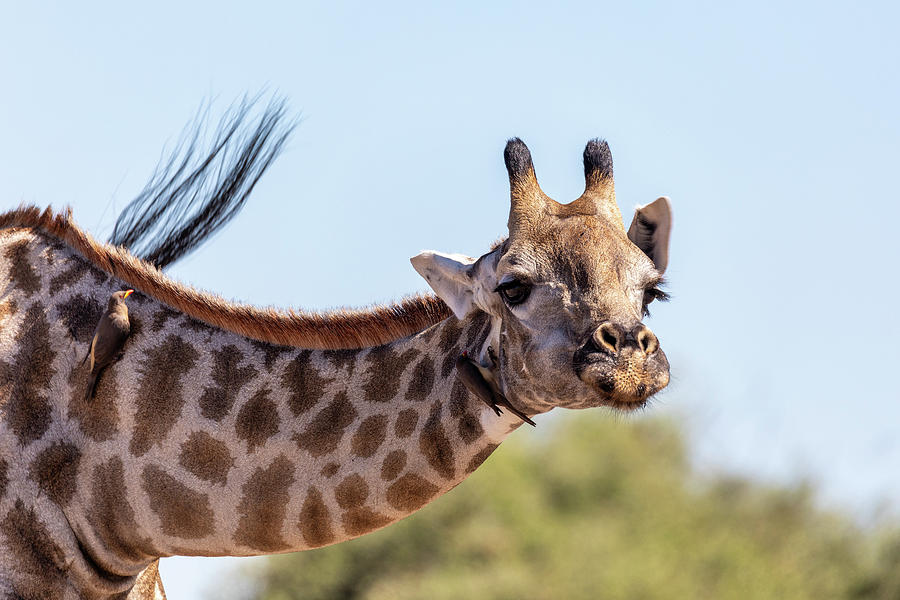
(625, 367)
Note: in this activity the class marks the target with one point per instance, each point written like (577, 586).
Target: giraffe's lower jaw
(626, 386)
(625, 404)
(630, 395)
(623, 393)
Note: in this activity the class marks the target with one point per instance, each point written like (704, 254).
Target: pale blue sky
(773, 128)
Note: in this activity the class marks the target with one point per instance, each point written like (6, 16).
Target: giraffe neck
(202, 442)
(305, 449)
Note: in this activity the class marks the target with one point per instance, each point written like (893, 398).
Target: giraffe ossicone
(229, 430)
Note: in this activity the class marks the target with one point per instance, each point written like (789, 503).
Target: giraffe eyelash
(654, 292)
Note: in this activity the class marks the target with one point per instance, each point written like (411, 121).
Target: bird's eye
(514, 292)
(651, 294)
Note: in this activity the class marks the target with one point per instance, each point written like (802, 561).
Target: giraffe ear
(650, 231)
(450, 276)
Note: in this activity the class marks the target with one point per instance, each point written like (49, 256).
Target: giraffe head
(566, 291)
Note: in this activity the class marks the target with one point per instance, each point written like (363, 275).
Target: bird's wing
(91, 353)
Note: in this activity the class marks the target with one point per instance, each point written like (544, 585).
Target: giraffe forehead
(573, 251)
(597, 273)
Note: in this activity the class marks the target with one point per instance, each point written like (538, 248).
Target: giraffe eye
(514, 292)
(651, 294)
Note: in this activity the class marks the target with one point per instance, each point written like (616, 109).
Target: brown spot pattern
(4, 477)
(411, 492)
(110, 514)
(271, 352)
(206, 457)
(451, 330)
(257, 420)
(406, 423)
(54, 244)
(136, 324)
(36, 560)
(351, 491)
(449, 362)
(392, 465)
(479, 458)
(469, 428)
(315, 520)
(263, 506)
(351, 494)
(25, 381)
(162, 316)
(182, 512)
(342, 360)
(330, 470)
(216, 401)
(479, 327)
(21, 272)
(360, 520)
(384, 372)
(159, 392)
(98, 417)
(304, 384)
(459, 399)
(198, 325)
(422, 380)
(74, 273)
(435, 445)
(80, 315)
(325, 431)
(428, 334)
(370, 435)
(55, 470)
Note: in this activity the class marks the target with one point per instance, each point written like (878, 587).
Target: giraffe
(226, 429)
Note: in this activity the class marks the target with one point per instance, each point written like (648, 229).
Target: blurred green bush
(593, 507)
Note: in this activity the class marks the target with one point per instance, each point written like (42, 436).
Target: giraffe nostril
(607, 337)
(647, 341)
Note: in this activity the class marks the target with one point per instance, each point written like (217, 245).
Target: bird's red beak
(127, 293)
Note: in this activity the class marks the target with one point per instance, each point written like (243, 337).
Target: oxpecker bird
(109, 337)
(481, 381)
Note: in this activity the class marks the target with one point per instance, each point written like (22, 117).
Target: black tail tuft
(186, 202)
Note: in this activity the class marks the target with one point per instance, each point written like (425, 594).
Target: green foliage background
(594, 507)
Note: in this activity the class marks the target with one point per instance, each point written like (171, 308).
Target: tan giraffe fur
(204, 441)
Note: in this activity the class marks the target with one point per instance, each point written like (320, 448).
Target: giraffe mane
(336, 329)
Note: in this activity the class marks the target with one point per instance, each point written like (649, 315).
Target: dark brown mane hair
(343, 328)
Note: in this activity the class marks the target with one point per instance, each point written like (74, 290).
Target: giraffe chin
(625, 401)
(627, 385)
(625, 404)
